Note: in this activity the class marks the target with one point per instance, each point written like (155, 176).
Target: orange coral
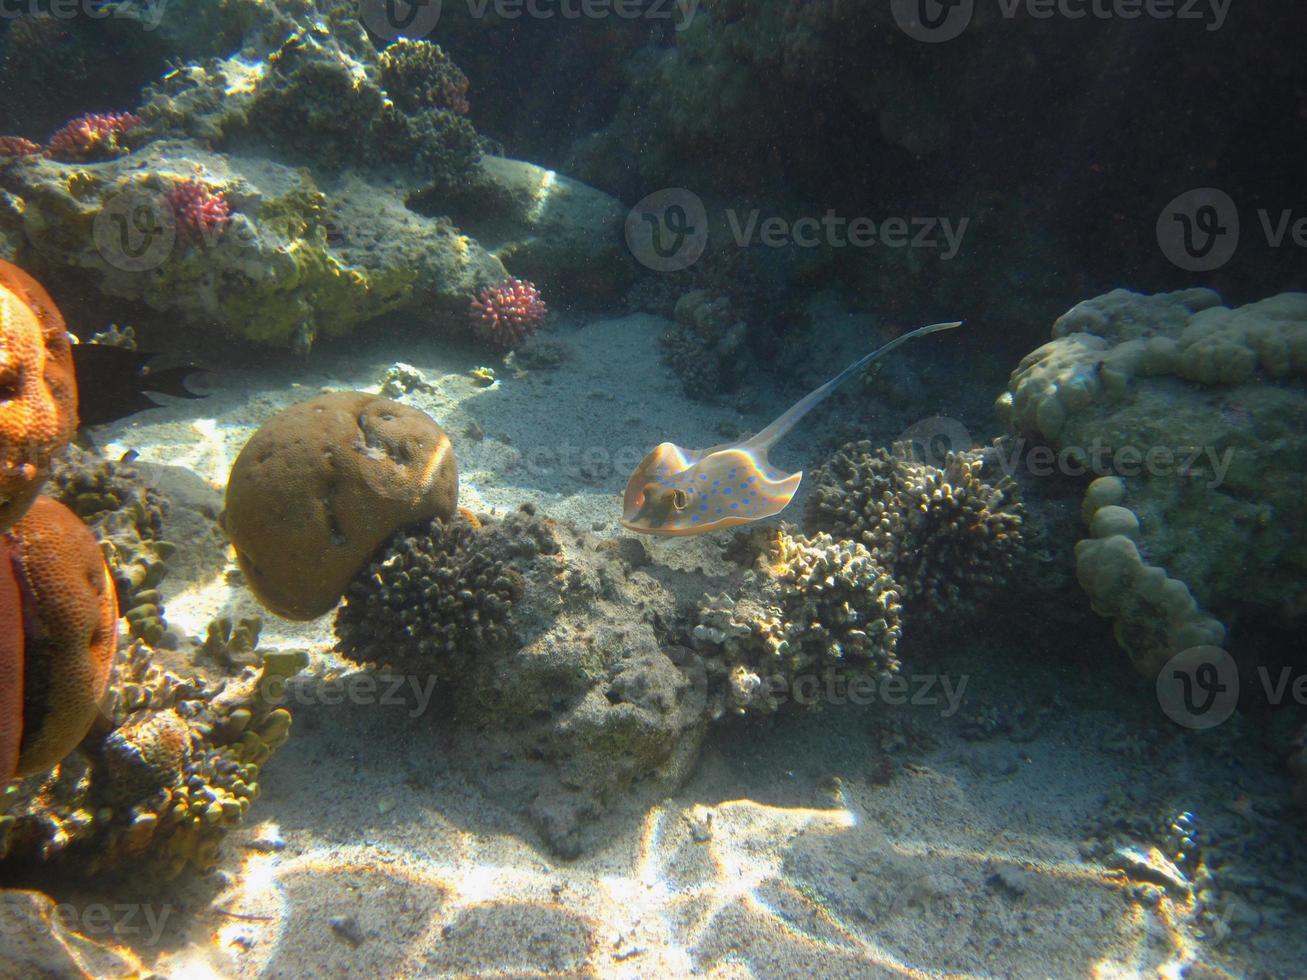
(71, 611)
(11, 665)
(38, 389)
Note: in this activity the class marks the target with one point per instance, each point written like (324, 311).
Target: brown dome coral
(38, 389)
(322, 484)
(58, 635)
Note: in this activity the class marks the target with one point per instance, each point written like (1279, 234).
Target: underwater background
(431, 543)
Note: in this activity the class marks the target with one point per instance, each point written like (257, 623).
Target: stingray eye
(679, 500)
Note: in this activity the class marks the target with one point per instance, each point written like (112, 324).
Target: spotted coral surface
(38, 389)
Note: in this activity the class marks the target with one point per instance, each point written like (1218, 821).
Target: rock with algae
(812, 606)
(176, 765)
(950, 535)
(543, 639)
(1195, 410)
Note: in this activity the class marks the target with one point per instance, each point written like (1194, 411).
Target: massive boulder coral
(1197, 408)
(545, 644)
(950, 535)
(322, 484)
(58, 634)
(813, 607)
(38, 389)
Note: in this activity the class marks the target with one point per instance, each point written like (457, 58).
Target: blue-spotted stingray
(677, 491)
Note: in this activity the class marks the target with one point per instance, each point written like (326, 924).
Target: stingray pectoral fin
(776, 495)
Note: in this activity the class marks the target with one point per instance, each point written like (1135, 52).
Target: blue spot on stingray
(694, 517)
(719, 510)
(743, 485)
(717, 483)
(703, 506)
(726, 490)
(735, 506)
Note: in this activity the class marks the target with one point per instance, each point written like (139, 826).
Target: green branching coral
(813, 606)
(178, 769)
(946, 534)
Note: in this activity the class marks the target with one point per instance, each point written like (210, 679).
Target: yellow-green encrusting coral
(179, 768)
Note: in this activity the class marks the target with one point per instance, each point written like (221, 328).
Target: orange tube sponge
(38, 389)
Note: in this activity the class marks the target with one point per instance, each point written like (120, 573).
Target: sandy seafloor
(852, 841)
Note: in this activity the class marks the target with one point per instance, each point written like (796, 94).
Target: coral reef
(440, 591)
(178, 768)
(418, 75)
(949, 536)
(200, 212)
(18, 146)
(706, 347)
(527, 624)
(57, 637)
(93, 136)
(126, 516)
(321, 484)
(508, 313)
(1195, 409)
(813, 608)
(1154, 616)
(38, 412)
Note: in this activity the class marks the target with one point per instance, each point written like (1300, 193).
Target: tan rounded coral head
(38, 389)
(70, 612)
(322, 484)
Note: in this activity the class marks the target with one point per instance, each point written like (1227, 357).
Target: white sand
(800, 848)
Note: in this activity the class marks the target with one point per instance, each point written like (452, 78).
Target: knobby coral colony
(93, 136)
(508, 313)
(201, 213)
(945, 534)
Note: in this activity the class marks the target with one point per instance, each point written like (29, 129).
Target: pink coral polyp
(201, 213)
(508, 313)
(93, 136)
